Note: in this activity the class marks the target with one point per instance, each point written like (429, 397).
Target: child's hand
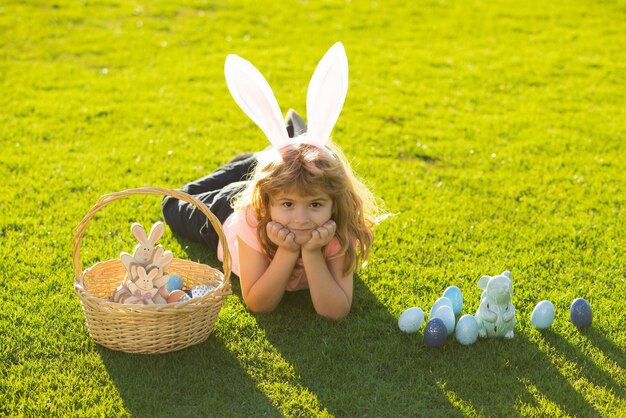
(282, 237)
(321, 236)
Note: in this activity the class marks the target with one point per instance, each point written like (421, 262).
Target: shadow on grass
(376, 370)
(498, 377)
(356, 367)
(594, 374)
(609, 348)
(203, 380)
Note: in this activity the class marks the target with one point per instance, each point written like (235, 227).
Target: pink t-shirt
(242, 224)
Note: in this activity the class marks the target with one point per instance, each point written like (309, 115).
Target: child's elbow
(336, 314)
(259, 308)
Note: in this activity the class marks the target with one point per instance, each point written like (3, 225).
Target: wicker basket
(149, 328)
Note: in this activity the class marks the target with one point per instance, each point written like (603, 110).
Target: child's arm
(331, 289)
(263, 281)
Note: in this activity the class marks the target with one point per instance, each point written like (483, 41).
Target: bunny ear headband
(324, 100)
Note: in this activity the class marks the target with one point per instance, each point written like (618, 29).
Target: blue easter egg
(456, 297)
(174, 283)
(543, 315)
(466, 331)
(435, 333)
(446, 314)
(442, 301)
(580, 313)
(411, 320)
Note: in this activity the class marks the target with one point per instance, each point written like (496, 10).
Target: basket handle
(180, 195)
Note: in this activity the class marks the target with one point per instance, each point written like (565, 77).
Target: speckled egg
(435, 333)
(201, 290)
(411, 320)
(446, 314)
(456, 297)
(466, 331)
(580, 313)
(442, 301)
(543, 315)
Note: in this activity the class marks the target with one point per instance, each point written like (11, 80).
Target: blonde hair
(308, 167)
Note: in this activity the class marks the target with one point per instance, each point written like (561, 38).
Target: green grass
(494, 130)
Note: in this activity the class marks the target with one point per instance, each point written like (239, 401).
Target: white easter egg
(466, 331)
(442, 301)
(411, 320)
(543, 315)
(456, 297)
(446, 314)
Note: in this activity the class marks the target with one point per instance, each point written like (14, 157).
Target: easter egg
(446, 314)
(201, 290)
(435, 333)
(466, 331)
(177, 296)
(456, 297)
(411, 320)
(174, 283)
(442, 301)
(580, 313)
(542, 315)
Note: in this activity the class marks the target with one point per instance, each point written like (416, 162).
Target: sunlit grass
(494, 131)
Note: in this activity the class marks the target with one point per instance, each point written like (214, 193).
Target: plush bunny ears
(325, 97)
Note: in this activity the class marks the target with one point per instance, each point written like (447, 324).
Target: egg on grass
(580, 313)
(411, 320)
(466, 331)
(435, 333)
(442, 301)
(543, 315)
(456, 297)
(446, 314)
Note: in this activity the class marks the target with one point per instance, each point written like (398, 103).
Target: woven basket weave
(149, 328)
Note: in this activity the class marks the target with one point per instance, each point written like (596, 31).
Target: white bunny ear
(152, 274)
(483, 282)
(326, 94)
(166, 259)
(158, 252)
(139, 232)
(255, 97)
(127, 259)
(156, 232)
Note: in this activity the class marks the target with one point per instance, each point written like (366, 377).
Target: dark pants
(216, 191)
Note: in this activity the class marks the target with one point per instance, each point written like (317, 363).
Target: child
(301, 219)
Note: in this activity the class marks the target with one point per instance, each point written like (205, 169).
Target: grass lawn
(493, 130)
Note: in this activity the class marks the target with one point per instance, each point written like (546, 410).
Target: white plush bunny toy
(325, 98)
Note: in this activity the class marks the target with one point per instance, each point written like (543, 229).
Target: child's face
(301, 214)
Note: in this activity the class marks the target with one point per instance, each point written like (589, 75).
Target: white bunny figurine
(143, 290)
(496, 313)
(325, 98)
(160, 263)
